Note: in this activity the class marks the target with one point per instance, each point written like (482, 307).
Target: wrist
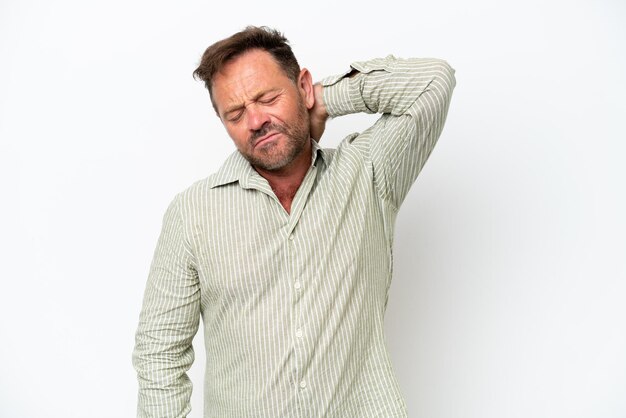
(318, 114)
(319, 107)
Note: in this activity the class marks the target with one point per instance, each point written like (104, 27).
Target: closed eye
(235, 116)
(268, 100)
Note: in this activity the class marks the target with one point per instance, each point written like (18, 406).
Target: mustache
(265, 129)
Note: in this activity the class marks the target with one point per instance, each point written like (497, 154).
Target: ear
(305, 87)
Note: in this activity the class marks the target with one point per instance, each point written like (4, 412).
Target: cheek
(237, 135)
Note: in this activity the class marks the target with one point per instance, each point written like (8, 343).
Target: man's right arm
(168, 322)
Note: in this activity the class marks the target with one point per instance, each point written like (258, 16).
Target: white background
(509, 298)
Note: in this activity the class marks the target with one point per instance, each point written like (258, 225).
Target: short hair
(252, 37)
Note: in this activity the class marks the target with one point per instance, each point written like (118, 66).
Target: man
(286, 251)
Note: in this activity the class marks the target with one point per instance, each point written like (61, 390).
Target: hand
(317, 114)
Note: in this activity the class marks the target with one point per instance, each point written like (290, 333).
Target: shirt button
(299, 333)
(302, 384)
(291, 237)
(297, 285)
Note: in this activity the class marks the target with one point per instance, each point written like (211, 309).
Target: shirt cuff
(342, 95)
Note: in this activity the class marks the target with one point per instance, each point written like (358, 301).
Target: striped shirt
(292, 304)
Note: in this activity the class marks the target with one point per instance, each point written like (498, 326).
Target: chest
(248, 246)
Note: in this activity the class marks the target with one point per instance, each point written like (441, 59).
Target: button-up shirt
(292, 304)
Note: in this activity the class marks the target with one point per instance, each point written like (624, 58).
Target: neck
(286, 181)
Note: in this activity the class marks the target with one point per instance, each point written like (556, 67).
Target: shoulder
(202, 191)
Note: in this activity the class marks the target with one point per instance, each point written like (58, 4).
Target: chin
(275, 156)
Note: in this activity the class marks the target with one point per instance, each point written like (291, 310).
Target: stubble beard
(273, 157)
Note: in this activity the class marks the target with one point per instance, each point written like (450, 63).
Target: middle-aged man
(286, 251)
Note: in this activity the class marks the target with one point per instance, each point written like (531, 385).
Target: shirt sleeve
(413, 96)
(168, 322)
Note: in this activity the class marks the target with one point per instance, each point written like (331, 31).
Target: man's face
(263, 111)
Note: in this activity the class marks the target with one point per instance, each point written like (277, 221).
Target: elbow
(445, 75)
(443, 81)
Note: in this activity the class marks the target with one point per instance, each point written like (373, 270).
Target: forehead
(247, 76)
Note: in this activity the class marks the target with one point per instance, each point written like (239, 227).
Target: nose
(256, 117)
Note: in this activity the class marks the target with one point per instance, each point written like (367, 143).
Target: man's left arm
(413, 96)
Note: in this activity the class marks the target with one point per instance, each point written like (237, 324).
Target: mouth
(265, 139)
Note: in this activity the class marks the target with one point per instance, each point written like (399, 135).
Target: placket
(295, 245)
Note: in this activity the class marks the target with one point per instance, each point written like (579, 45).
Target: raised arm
(413, 96)
(168, 322)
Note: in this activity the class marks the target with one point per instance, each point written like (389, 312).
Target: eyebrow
(256, 97)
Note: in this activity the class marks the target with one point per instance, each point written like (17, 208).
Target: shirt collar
(237, 169)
